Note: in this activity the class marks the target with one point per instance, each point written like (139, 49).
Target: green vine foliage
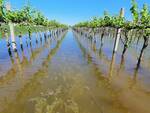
(130, 29)
(111, 21)
(26, 16)
(134, 11)
(1, 10)
(145, 17)
(141, 20)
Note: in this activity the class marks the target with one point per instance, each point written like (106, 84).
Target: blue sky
(74, 11)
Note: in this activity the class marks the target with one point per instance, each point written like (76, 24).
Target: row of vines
(25, 21)
(124, 29)
(25, 16)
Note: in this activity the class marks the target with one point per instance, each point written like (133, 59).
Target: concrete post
(11, 26)
(118, 33)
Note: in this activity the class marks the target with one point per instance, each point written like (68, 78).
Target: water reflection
(31, 85)
(16, 59)
(121, 66)
(112, 65)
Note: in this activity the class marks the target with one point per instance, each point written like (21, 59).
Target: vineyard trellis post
(11, 27)
(118, 33)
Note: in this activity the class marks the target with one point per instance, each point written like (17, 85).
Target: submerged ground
(72, 75)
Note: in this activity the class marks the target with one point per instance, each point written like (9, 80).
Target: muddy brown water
(73, 75)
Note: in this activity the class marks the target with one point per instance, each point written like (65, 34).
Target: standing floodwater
(71, 75)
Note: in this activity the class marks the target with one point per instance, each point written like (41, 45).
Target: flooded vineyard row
(70, 72)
